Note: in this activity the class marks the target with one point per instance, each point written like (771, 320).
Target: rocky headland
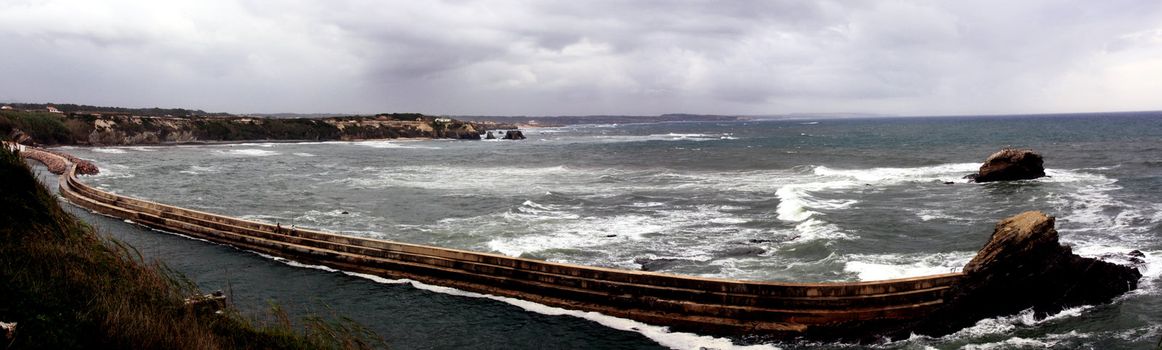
(99, 128)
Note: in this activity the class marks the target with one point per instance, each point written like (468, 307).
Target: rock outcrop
(1024, 266)
(20, 137)
(1010, 164)
(514, 135)
(490, 136)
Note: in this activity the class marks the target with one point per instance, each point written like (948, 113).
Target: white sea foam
(200, 170)
(317, 216)
(298, 264)
(249, 152)
(870, 267)
(662, 335)
(943, 172)
(580, 233)
(253, 144)
(396, 144)
(797, 204)
(485, 179)
(690, 137)
(796, 201)
(532, 228)
(303, 154)
(112, 171)
(654, 137)
(991, 327)
(936, 214)
(109, 150)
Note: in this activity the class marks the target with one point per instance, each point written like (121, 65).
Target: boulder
(514, 135)
(1024, 266)
(1010, 164)
(490, 136)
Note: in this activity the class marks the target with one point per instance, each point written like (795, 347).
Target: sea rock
(741, 251)
(490, 136)
(1010, 164)
(657, 264)
(514, 135)
(1024, 266)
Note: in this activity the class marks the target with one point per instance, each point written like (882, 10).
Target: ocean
(805, 200)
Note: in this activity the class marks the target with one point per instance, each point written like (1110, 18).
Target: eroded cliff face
(141, 130)
(137, 130)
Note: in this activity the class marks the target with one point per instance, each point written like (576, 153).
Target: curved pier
(703, 305)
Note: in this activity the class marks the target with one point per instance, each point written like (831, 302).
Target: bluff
(36, 127)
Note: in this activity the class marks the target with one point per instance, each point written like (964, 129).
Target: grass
(68, 288)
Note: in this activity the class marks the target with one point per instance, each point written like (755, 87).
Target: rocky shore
(84, 128)
(1022, 266)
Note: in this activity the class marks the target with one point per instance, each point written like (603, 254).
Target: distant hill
(87, 109)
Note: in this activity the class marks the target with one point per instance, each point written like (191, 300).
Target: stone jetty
(1022, 266)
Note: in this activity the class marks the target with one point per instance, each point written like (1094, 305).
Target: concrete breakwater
(58, 163)
(861, 310)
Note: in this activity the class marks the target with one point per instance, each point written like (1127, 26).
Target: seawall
(702, 305)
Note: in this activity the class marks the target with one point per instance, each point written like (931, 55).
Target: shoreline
(241, 142)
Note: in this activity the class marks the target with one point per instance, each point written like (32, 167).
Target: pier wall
(697, 304)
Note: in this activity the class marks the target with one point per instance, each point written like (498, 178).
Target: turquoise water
(791, 200)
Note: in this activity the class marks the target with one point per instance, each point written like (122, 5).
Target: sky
(647, 57)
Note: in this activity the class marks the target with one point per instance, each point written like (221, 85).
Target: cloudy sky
(468, 57)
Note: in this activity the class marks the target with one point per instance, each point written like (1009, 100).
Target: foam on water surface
(247, 152)
(109, 150)
(842, 205)
(662, 335)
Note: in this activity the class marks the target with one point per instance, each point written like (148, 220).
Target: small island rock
(514, 135)
(1010, 164)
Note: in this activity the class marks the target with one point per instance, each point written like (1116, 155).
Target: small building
(6, 108)
(52, 109)
(443, 120)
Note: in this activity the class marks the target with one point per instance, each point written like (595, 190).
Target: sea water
(810, 200)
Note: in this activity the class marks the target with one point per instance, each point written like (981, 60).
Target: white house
(443, 120)
(6, 108)
(52, 109)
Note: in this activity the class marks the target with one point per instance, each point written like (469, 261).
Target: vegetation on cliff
(93, 128)
(66, 287)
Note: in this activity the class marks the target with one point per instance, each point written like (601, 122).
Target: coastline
(52, 257)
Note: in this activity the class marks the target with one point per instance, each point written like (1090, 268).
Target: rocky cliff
(100, 129)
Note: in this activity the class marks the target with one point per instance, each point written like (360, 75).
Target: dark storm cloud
(638, 57)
